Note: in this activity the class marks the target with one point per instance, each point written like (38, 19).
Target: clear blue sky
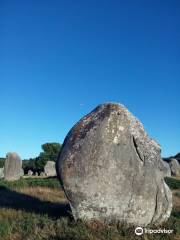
(59, 59)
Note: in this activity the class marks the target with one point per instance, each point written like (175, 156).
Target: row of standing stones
(13, 170)
(112, 171)
(109, 169)
(49, 170)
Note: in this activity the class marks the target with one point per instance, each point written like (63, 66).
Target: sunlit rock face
(111, 170)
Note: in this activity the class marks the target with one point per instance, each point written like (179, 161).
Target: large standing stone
(13, 167)
(111, 170)
(175, 167)
(50, 169)
(1, 172)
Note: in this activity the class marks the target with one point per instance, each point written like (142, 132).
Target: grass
(173, 183)
(36, 209)
(50, 182)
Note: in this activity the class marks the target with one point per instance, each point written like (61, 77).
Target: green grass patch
(31, 182)
(5, 228)
(172, 183)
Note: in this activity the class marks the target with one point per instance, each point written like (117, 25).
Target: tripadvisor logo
(139, 231)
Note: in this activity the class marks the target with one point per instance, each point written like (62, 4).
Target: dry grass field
(36, 209)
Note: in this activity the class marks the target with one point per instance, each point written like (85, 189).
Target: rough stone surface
(111, 170)
(167, 172)
(30, 173)
(22, 172)
(13, 167)
(175, 167)
(50, 169)
(1, 172)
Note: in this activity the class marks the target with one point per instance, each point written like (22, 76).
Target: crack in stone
(136, 149)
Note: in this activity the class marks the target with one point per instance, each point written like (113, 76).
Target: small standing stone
(167, 170)
(13, 167)
(1, 172)
(50, 169)
(175, 167)
(30, 173)
(42, 174)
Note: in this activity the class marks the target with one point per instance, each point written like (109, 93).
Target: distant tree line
(2, 160)
(49, 152)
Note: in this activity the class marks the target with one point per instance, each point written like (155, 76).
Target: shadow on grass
(21, 201)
